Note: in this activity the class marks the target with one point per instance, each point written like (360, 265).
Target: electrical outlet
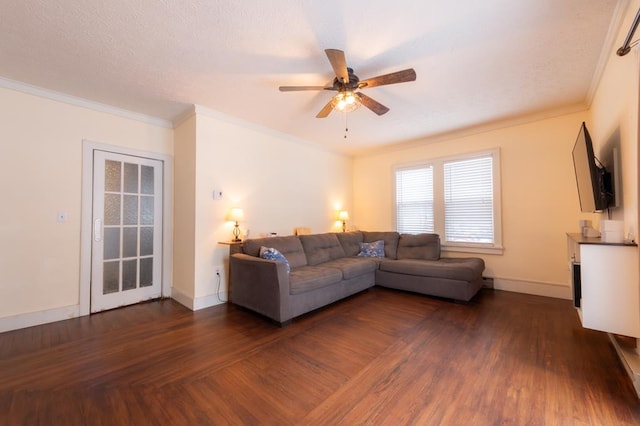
(218, 271)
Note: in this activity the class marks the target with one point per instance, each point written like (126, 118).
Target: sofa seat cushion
(462, 269)
(310, 278)
(321, 248)
(352, 267)
(289, 246)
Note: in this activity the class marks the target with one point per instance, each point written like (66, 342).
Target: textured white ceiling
(477, 62)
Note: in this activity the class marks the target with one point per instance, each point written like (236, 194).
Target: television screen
(591, 179)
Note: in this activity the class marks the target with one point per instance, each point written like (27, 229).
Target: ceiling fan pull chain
(346, 126)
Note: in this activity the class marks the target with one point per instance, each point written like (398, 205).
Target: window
(468, 200)
(457, 198)
(414, 200)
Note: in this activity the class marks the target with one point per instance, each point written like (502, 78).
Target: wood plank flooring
(380, 357)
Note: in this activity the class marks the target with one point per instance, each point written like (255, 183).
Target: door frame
(88, 148)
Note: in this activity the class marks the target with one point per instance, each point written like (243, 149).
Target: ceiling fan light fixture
(345, 101)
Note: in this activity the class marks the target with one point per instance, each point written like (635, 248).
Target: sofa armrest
(260, 285)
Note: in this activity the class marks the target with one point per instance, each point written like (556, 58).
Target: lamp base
(236, 233)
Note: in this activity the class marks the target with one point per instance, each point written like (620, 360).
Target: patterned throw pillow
(375, 249)
(270, 253)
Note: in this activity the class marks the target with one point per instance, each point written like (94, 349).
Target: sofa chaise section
(419, 268)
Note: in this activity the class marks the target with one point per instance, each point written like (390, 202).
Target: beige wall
(280, 184)
(40, 174)
(184, 211)
(539, 197)
(613, 120)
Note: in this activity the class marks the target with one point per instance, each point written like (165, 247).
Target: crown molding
(208, 112)
(474, 130)
(81, 102)
(608, 48)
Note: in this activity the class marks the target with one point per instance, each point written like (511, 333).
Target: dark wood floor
(381, 357)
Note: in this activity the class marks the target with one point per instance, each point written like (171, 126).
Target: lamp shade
(343, 215)
(235, 214)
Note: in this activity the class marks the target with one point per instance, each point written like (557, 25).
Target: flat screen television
(595, 188)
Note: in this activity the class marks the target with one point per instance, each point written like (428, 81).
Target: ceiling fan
(346, 83)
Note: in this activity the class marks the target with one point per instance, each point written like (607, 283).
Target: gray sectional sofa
(320, 269)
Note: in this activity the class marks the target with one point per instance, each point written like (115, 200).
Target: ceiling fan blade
(392, 78)
(372, 104)
(299, 88)
(326, 110)
(339, 64)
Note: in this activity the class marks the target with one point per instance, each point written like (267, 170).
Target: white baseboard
(16, 322)
(199, 302)
(209, 300)
(538, 288)
(31, 319)
(182, 298)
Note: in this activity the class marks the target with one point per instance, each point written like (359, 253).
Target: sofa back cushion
(321, 248)
(390, 239)
(420, 246)
(350, 242)
(289, 246)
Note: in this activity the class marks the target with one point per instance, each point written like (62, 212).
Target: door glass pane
(111, 243)
(130, 210)
(110, 277)
(146, 241)
(146, 186)
(131, 178)
(146, 272)
(146, 213)
(129, 274)
(129, 242)
(112, 209)
(112, 176)
(127, 193)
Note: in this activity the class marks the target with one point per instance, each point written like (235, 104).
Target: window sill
(498, 250)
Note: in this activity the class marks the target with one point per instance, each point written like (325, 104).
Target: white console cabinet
(609, 289)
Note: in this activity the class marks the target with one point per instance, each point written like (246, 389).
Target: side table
(234, 246)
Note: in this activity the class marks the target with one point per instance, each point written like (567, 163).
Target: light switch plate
(217, 194)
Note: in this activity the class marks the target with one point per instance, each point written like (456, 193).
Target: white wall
(280, 184)
(539, 198)
(40, 174)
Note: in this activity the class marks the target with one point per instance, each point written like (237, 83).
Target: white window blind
(468, 200)
(414, 200)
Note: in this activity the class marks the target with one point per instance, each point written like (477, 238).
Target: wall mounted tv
(595, 186)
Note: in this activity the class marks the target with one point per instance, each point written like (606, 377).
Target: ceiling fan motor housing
(351, 85)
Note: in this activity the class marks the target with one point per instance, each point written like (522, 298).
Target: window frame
(438, 200)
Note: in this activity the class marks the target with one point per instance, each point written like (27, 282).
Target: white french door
(126, 258)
